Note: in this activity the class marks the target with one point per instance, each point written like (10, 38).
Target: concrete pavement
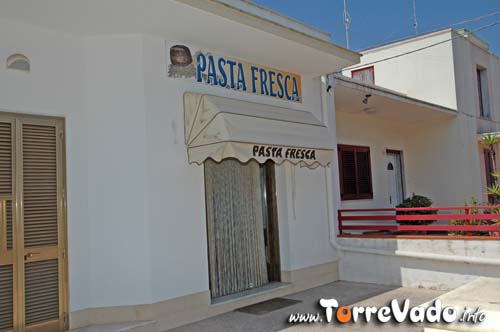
(346, 293)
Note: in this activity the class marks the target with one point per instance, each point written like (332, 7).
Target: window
(488, 170)
(366, 75)
(19, 62)
(483, 93)
(355, 172)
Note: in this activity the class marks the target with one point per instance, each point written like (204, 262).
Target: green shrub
(413, 202)
(473, 202)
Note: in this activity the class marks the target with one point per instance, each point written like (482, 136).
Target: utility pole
(347, 22)
(415, 23)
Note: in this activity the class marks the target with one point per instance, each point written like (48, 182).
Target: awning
(218, 128)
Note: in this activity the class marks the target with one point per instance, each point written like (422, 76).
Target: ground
(346, 293)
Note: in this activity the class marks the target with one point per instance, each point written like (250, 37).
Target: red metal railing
(471, 222)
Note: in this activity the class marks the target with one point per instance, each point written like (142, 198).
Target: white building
(421, 117)
(167, 161)
(113, 97)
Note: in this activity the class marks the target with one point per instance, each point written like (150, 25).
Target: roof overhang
(256, 35)
(353, 96)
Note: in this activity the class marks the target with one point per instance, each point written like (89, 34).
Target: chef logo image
(181, 62)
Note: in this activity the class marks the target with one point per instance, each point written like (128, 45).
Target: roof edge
(267, 23)
(261, 11)
(405, 40)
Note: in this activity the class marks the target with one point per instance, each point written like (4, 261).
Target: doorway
(33, 262)
(242, 228)
(395, 177)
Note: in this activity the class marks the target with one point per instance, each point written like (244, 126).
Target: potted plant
(472, 210)
(495, 191)
(413, 202)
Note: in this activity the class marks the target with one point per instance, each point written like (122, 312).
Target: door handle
(30, 255)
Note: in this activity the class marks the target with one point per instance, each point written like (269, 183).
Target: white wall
(444, 162)
(55, 86)
(439, 156)
(380, 135)
(103, 104)
(437, 273)
(176, 202)
(118, 197)
(136, 208)
(441, 161)
(468, 56)
(427, 74)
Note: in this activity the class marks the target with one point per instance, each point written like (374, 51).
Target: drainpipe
(333, 196)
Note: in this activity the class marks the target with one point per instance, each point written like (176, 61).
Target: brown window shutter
(364, 174)
(355, 172)
(348, 173)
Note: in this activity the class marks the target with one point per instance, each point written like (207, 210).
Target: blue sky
(380, 21)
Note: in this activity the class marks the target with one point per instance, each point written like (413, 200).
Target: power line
(474, 19)
(419, 49)
(471, 20)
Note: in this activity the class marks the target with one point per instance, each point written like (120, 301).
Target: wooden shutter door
(33, 276)
(42, 215)
(7, 277)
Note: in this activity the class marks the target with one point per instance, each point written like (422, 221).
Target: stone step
(138, 326)
(483, 293)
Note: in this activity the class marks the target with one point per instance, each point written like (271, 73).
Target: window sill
(357, 199)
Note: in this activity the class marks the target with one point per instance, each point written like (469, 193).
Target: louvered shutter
(40, 221)
(355, 172)
(31, 145)
(5, 158)
(363, 174)
(6, 298)
(42, 291)
(40, 185)
(6, 230)
(9, 221)
(348, 172)
(6, 175)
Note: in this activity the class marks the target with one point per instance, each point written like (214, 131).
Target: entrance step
(483, 293)
(138, 326)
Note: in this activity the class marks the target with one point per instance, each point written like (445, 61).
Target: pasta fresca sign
(234, 74)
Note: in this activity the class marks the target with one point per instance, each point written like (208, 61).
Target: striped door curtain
(235, 227)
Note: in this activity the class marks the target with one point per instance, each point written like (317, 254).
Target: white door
(395, 178)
